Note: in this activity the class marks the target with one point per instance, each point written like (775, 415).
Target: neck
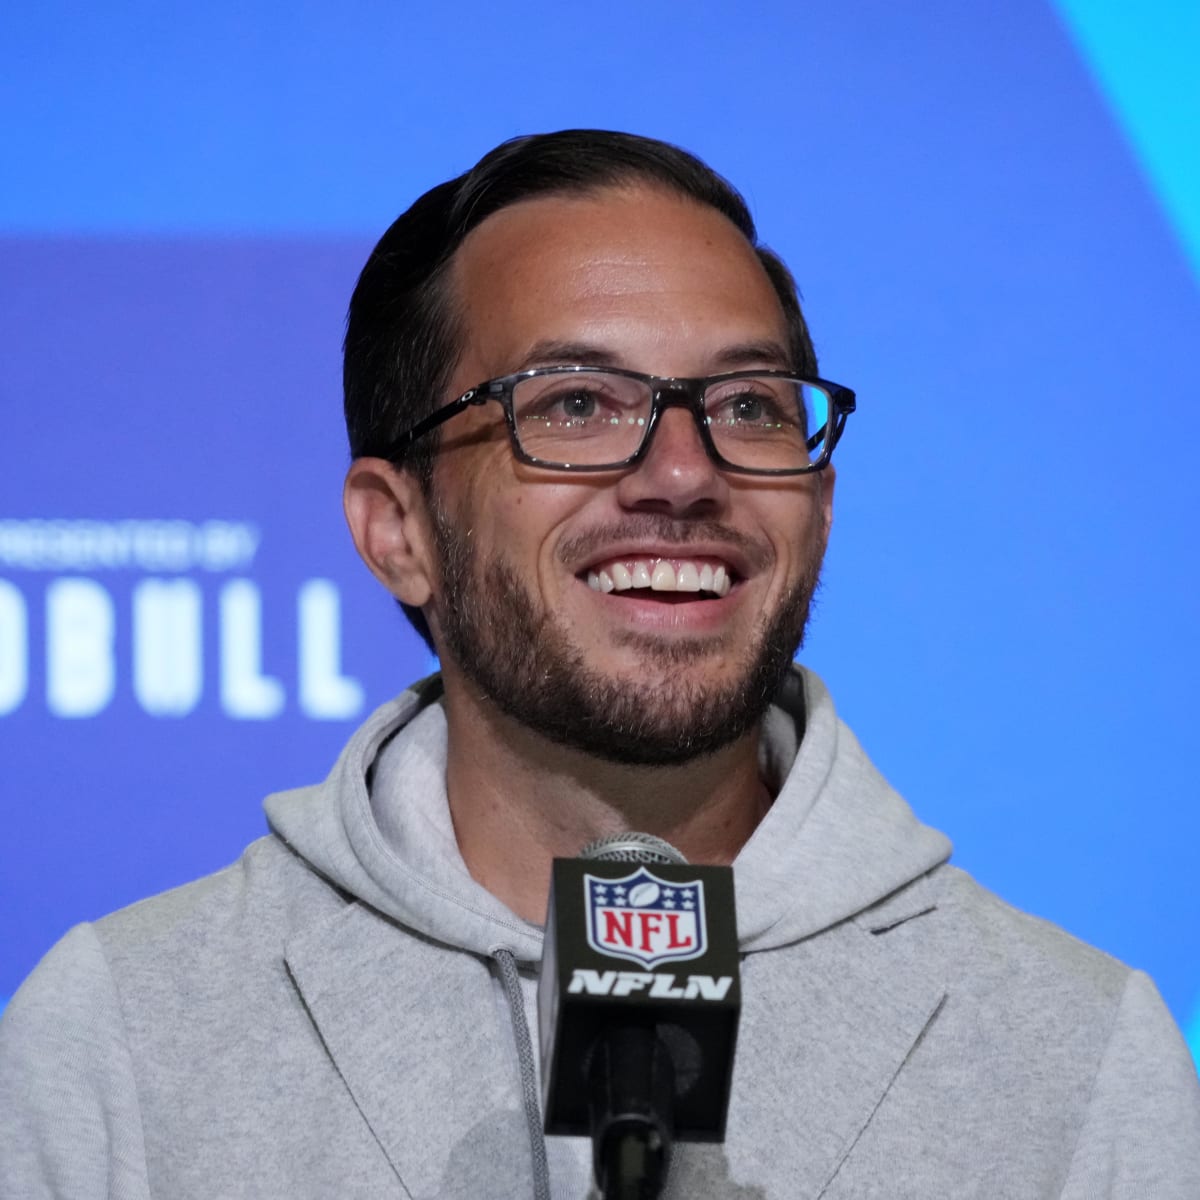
(518, 801)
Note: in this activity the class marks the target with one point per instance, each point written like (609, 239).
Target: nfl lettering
(644, 919)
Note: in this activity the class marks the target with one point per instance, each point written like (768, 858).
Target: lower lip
(673, 616)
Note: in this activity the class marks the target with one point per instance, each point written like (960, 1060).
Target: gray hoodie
(345, 1013)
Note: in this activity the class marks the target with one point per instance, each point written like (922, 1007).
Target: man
(591, 460)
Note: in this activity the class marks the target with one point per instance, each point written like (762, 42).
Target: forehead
(638, 272)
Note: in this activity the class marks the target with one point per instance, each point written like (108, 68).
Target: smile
(661, 575)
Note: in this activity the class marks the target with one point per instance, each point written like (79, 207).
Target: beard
(524, 661)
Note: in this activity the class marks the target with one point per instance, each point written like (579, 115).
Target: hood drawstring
(507, 964)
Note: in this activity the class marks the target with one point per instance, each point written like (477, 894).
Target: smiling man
(599, 621)
(592, 462)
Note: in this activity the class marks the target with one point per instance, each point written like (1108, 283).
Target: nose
(675, 475)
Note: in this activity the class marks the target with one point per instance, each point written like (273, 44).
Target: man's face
(642, 279)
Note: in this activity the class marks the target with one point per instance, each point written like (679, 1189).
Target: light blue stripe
(1144, 58)
(1192, 1033)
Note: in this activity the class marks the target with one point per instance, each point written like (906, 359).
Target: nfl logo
(645, 919)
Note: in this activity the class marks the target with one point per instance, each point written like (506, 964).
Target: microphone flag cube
(650, 946)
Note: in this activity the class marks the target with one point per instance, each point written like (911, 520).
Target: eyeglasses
(598, 419)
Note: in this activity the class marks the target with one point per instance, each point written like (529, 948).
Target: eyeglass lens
(593, 418)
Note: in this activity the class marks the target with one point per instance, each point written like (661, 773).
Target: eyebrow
(755, 354)
(551, 352)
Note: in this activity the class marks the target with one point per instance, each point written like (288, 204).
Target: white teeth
(663, 579)
(601, 582)
(660, 576)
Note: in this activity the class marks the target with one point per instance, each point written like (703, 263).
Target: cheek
(532, 512)
(800, 534)
(534, 520)
(518, 523)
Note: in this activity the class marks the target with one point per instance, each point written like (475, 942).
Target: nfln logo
(644, 919)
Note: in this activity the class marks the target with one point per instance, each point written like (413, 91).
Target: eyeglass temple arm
(397, 448)
(843, 403)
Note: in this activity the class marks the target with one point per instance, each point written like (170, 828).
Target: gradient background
(993, 211)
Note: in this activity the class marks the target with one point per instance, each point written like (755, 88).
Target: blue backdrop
(993, 211)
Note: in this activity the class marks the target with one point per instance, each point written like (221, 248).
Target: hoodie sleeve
(1141, 1135)
(70, 1127)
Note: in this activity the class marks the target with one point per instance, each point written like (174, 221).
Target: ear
(389, 521)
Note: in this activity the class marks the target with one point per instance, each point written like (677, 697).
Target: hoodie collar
(334, 827)
(837, 840)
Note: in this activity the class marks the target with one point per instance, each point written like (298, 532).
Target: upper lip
(736, 561)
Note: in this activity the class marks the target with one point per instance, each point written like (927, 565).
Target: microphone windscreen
(632, 847)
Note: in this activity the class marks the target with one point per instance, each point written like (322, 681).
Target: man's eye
(746, 408)
(749, 408)
(571, 405)
(577, 404)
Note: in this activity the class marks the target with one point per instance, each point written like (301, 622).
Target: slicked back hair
(403, 332)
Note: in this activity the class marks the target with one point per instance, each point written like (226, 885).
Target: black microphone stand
(631, 1085)
(637, 1059)
(631, 1077)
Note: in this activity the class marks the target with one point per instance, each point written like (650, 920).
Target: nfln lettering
(660, 986)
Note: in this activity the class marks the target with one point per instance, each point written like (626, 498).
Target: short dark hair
(403, 335)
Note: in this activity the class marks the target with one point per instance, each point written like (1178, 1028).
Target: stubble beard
(524, 662)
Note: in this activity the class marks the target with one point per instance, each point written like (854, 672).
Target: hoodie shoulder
(1040, 1041)
(249, 907)
(995, 953)
(70, 1122)
(118, 1020)
(1001, 941)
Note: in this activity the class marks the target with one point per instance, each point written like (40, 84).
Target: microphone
(638, 1006)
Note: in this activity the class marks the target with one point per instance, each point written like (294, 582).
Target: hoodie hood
(837, 840)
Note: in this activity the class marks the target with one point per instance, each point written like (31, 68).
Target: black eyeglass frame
(665, 392)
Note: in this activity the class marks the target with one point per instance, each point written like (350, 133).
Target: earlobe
(388, 518)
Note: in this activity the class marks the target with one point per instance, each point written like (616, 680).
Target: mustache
(668, 531)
